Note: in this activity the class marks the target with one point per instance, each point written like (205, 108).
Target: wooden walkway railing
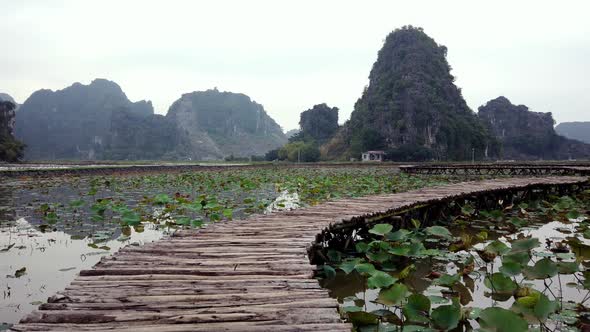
(246, 275)
(500, 169)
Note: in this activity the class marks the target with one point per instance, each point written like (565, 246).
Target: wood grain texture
(243, 275)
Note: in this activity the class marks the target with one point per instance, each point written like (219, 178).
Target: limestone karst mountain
(528, 135)
(73, 123)
(98, 121)
(411, 107)
(216, 124)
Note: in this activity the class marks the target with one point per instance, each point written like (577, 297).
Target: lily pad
(544, 268)
(439, 231)
(380, 279)
(381, 229)
(500, 283)
(446, 317)
(502, 320)
(367, 268)
(497, 247)
(417, 308)
(393, 295)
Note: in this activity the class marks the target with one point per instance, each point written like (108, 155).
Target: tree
(318, 123)
(300, 151)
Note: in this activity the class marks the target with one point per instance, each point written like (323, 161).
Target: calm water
(351, 290)
(52, 255)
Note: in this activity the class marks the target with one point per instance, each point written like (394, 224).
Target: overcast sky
(290, 55)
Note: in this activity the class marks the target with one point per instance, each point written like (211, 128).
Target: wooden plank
(247, 275)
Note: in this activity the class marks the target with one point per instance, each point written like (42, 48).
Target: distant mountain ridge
(575, 130)
(216, 124)
(98, 121)
(528, 135)
(75, 122)
(6, 97)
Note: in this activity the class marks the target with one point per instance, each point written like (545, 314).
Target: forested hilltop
(527, 135)
(412, 108)
(98, 121)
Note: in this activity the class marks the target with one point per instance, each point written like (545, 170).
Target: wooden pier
(499, 169)
(244, 275)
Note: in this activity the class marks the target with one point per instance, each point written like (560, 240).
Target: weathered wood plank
(247, 275)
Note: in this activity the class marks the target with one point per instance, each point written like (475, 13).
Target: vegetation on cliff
(318, 123)
(97, 121)
(11, 150)
(217, 124)
(412, 102)
(73, 123)
(528, 135)
(317, 126)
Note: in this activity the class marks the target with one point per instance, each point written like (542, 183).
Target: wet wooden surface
(246, 275)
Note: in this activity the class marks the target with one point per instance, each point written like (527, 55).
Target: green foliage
(446, 317)
(381, 229)
(544, 268)
(319, 124)
(410, 152)
(380, 279)
(417, 309)
(528, 135)
(396, 262)
(366, 139)
(502, 320)
(412, 107)
(300, 151)
(393, 295)
(500, 283)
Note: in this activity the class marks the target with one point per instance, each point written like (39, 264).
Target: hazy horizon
(289, 56)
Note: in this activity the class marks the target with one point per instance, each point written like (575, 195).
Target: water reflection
(52, 252)
(51, 260)
(351, 289)
(35, 264)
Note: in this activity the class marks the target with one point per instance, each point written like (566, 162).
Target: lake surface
(38, 259)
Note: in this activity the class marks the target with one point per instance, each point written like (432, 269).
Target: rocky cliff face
(213, 124)
(411, 103)
(579, 131)
(97, 121)
(137, 136)
(73, 123)
(10, 149)
(528, 135)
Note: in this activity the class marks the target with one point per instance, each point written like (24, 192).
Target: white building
(373, 155)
